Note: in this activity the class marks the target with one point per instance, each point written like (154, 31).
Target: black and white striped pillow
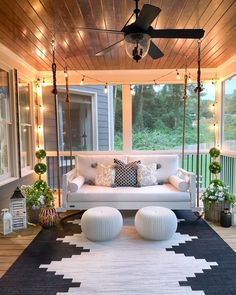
(126, 174)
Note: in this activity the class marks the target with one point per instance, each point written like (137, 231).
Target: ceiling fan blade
(146, 16)
(88, 30)
(109, 48)
(178, 33)
(154, 51)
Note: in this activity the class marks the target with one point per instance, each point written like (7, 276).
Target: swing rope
(198, 90)
(184, 113)
(69, 113)
(54, 92)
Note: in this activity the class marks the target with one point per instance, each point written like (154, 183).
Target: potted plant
(39, 195)
(216, 198)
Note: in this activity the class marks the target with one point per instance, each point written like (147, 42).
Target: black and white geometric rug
(62, 261)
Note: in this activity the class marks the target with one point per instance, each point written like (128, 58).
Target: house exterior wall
(100, 128)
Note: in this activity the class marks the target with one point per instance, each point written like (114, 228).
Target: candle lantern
(6, 222)
(18, 210)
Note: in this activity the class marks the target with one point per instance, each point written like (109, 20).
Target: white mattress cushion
(161, 193)
(169, 164)
(84, 163)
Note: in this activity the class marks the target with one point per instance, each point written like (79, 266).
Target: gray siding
(102, 116)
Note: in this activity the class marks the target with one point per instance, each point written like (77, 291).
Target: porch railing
(228, 162)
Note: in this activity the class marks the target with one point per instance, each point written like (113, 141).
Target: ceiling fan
(139, 34)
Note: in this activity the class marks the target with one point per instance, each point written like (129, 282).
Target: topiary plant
(39, 194)
(214, 152)
(41, 154)
(217, 191)
(215, 168)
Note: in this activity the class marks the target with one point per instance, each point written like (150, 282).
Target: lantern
(6, 222)
(18, 210)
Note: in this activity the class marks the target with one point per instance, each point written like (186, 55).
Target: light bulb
(65, 73)
(177, 75)
(105, 88)
(132, 91)
(189, 78)
(82, 81)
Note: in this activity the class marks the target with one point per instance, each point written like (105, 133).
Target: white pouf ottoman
(101, 223)
(155, 223)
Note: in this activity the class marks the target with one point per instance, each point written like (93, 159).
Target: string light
(38, 83)
(53, 44)
(19, 83)
(189, 78)
(41, 107)
(213, 127)
(177, 75)
(44, 83)
(212, 108)
(132, 92)
(105, 88)
(82, 81)
(40, 129)
(65, 73)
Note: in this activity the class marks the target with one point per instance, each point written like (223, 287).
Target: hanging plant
(215, 167)
(214, 152)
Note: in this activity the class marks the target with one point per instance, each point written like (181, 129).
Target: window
(96, 118)
(229, 107)
(25, 126)
(157, 115)
(5, 126)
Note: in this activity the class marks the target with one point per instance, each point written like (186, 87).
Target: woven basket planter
(48, 217)
(212, 213)
(33, 215)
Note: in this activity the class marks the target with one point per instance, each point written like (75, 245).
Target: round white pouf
(101, 223)
(155, 223)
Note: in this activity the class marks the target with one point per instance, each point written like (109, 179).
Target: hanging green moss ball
(40, 154)
(40, 185)
(214, 152)
(215, 167)
(217, 182)
(40, 168)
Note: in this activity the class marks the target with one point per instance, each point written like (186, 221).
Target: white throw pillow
(147, 174)
(105, 175)
(179, 183)
(75, 184)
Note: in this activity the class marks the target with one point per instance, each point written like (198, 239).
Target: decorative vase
(33, 215)
(213, 211)
(48, 217)
(226, 218)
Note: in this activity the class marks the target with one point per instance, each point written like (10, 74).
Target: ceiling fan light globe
(137, 45)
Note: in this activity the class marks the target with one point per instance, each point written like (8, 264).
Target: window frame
(7, 123)
(29, 168)
(224, 147)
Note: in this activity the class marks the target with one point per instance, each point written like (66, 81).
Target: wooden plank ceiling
(26, 27)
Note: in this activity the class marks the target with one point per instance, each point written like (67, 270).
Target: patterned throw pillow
(147, 174)
(126, 174)
(105, 175)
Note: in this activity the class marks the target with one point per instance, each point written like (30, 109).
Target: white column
(218, 114)
(127, 118)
